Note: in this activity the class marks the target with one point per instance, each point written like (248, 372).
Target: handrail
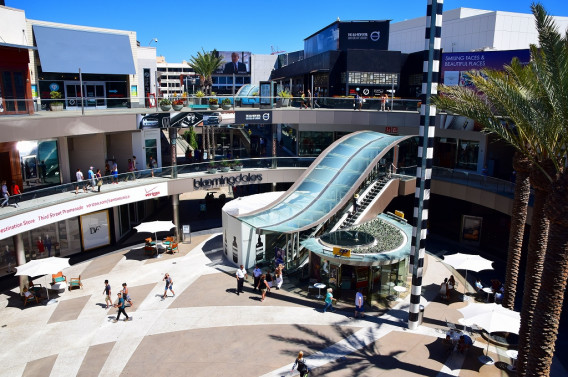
(22, 106)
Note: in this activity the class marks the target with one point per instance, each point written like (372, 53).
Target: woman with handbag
(99, 179)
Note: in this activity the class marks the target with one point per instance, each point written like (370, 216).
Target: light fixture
(153, 40)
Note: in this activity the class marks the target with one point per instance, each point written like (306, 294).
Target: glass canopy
(325, 185)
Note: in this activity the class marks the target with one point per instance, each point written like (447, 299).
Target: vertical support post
(82, 94)
(20, 259)
(425, 153)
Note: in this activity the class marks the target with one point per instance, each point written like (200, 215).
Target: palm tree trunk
(535, 260)
(555, 273)
(517, 231)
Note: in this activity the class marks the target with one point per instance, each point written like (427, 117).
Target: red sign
(391, 130)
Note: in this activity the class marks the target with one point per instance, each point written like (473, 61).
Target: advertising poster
(471, 229)
(237, 62)
(455, 65)
(95, 230)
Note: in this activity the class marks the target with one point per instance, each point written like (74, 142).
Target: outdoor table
(489, 292)
(513, 355)
(454, 337)
(319, 286)
(399, 289)
(61, 286)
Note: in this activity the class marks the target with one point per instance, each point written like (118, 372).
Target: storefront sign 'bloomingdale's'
(230, 181)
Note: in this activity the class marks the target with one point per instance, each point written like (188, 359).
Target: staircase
(364, 202)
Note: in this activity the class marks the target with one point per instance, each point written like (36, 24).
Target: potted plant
(226, 104)
(55, 105)
(184, 98)
(177, 104)
(284, 98)
(212, 169)
(213, 103)
(198, 96)
(237, 165)
(225, 166)
(165, 104)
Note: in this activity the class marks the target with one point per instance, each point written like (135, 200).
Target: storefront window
(311, 143)
(151, 148)
(39, 163)
(288, 138)
(468, 152)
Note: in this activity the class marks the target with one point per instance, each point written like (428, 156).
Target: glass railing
(471, 179)
(65, 192)
(28, 106)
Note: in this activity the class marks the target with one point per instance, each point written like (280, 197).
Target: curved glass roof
(325, 185)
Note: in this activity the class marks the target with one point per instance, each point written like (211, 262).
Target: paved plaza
(207, 330)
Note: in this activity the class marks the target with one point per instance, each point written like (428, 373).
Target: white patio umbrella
(492, 318)
(467, 262)
(155, 227)
(45, 266)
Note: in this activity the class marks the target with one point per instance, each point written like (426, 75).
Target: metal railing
(27, 106)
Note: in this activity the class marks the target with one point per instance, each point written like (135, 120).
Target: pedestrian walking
(383, 102)
(263, 286)
(130, 170)
(91, 178)
(152, 165)
(241, 275)
(99, 179)
(16, 193)
(329, 300)
(309, 99)
(359, 304)
(125, 294)
(5, 194)
(79, 184)
(114, 172)
(256, 275)
(358, 102)
(169, 284)
(355, 204)
(121, 305)
(47, 243)
(278, 274)
(135, 166)
(106, 292)
(300, 365)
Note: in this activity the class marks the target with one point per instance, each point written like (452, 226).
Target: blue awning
(66, 50)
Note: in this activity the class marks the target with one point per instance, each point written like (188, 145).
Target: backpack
(302, 367)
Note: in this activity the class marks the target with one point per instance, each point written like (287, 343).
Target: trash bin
(420, 315)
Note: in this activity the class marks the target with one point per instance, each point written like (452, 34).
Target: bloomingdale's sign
(231, 181)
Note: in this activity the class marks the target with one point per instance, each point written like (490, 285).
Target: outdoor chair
(28, 296)
(35, 289)
(149, 247)
(58, 278)
(172, 248)
(75, 283)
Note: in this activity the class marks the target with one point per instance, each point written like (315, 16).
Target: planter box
(177, 107)
(225, 169)
(211, 170)
(226, 107)
(166, 107)
(56, 107)
(213, 107)
(237, 167)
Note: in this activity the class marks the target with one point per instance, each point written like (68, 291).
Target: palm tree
(523, 105)
(552, 61)
(205, 64)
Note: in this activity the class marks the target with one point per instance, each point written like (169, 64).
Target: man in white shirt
(256, 274)
(241, 276)
(79, 184)
(358, 304)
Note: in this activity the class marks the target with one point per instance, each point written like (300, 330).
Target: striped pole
(425, 152)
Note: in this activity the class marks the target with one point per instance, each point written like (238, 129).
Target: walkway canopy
(327, 185)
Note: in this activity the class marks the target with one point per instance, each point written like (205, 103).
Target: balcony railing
(27, 106)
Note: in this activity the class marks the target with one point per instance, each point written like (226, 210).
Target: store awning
(66, 50)
(17, 46)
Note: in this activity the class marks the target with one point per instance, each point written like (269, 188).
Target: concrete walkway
(207, 330)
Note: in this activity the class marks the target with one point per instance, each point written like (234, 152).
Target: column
(425, 152)
(20, 258)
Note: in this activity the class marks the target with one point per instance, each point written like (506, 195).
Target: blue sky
(184, 27)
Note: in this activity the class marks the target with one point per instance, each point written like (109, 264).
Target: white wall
(146, 59)
(13, 27)
(466, 29)
(246, 239)
(261, 67)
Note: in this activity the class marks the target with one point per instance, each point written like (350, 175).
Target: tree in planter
(204, 64)
(526, 106)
